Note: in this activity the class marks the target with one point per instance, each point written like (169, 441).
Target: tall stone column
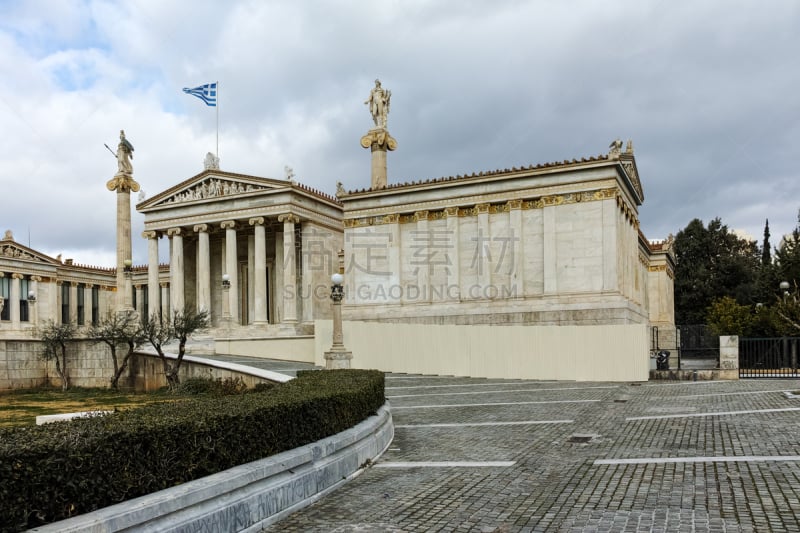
(260, 274)
(231, 268)
(484, 243)
(73, 301)
(378, 141)
(203, 268)
(123, 183)
(454, 274)
(152, 272)
(515, 223)
(87, 304)
(13, 303)
(423, 267)
(289, 288)
(34, 306)
(139, 288)
(165, 303)
(176, 269)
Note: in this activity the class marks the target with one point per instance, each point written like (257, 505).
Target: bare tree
(119, 329)
(159, 331)
(55, 338)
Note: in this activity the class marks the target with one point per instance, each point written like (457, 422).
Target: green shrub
(65, 469)
(217, 386)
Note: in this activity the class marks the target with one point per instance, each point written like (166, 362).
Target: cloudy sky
(709, 91)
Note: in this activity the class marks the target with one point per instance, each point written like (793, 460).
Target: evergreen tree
(712, 262)
(766, 252)
(787, 256)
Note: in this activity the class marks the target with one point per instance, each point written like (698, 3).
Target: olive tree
(159, 331)
(55, 338)
(119, 330)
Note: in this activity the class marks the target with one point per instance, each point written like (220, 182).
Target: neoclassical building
(539, 271)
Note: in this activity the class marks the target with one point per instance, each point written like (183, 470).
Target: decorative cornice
(492, 208)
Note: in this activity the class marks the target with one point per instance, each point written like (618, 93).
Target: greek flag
(206, 93)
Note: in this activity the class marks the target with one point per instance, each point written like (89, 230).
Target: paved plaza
(503, 456)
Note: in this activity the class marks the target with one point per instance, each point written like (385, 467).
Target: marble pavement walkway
(503, 456)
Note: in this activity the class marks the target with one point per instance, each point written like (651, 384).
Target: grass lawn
(20, 408)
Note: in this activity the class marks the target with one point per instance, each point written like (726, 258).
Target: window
(95, 305)
(65, 303)
(24, 308)
(81, 306)
(145, 303)
(5, 292)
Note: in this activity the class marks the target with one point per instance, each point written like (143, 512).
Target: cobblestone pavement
(503, 456)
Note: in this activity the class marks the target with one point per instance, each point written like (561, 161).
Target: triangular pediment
(13, 250)
(629, 164)
(212, 185)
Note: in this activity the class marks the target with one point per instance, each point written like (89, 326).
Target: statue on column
(378, 102)
(124, 154)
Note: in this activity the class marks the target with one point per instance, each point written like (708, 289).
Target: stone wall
(89, 365)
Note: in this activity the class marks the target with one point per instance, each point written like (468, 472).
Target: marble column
(165, 303)
(453, 236)
(139, 298)
(176, 269)
(515, 224)
(289, 288)
(14, 297)
(231, 268)
(484, 245)
(35, 304)
(87, 304)
(423, 266)
(203, 268)
(73, 302)
(260, 273)
(152, 272)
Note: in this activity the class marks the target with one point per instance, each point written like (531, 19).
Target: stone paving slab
(702, 472)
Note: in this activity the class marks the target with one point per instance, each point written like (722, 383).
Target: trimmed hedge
(52, 472)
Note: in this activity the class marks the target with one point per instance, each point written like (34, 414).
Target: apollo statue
(378, 102)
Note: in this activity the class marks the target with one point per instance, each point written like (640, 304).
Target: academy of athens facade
(538, 272)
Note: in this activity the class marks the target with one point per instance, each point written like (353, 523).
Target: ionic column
(73, 302)
(165, 312)
(484, 243)
(33, 306)
(87, 304)
(152, 271)
(424, 271)
(230, 268)
(14, 300)
(289, 268)
(454, 274)
(260, 274)
(203, 268)
(515, 223)
(57, 315)
(176, 269)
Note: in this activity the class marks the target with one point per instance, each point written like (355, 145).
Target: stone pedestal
(378, 141)
(338, 356)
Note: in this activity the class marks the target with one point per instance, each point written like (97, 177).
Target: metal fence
(769, 358)
(698, 342)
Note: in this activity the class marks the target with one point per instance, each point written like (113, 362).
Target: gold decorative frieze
(482, 208)
(420, 215)
(514, 204)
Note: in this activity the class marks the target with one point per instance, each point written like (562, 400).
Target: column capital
(451, 212)
(482, 208)
(288, 218)
(420, 215)
(74, 284)
(174, 231)
(138, 286)
(150, 234)
(17, 275)
(200, 228)
(228, 224)
(36, 278)
(88, 285)
(164, 284)
(257, 221)
(515, 204)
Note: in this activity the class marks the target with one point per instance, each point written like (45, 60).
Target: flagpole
(217, 106)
